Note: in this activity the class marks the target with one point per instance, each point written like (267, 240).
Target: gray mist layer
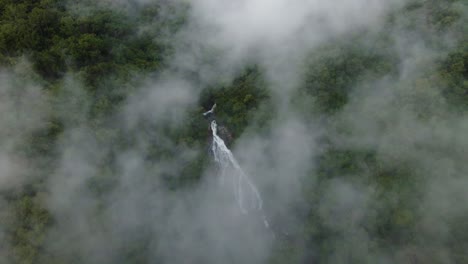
(202, 224)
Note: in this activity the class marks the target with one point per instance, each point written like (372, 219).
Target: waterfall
(246, 194)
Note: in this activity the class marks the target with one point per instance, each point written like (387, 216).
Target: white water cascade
(246, 194)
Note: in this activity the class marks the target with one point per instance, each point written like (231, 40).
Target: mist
(378, 177)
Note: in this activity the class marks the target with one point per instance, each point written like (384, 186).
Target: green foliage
(105, 47)
(237, 100)
(453, 75)
(58, 40)
(334, 70)
(31, 221)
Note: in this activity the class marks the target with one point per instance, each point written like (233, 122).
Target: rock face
(223, 133)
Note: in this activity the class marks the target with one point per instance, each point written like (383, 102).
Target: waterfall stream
(246, 194)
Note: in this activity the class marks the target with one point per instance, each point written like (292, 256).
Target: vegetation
(105, 48)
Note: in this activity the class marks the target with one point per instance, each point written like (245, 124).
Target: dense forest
(353, 124)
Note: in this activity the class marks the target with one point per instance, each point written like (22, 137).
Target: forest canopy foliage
(97, 51)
